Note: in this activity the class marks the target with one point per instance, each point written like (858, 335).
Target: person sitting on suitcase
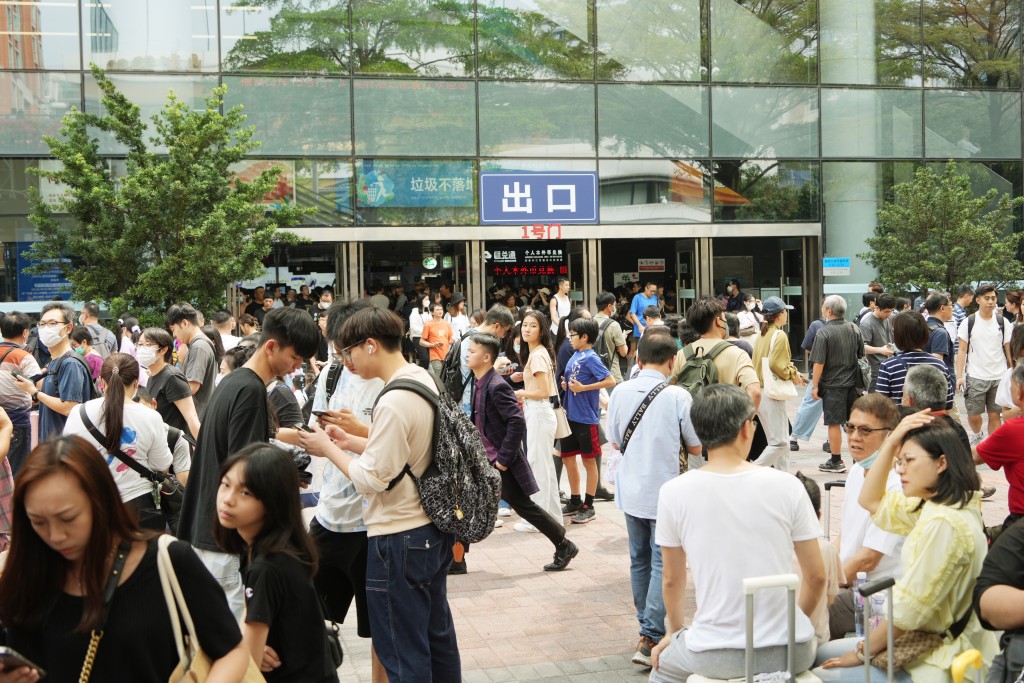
(766, 516)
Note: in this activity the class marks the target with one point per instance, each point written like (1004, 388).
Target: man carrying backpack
(103, 340)
(981, 361)
(611, 343)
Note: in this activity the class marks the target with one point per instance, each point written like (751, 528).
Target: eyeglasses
(864, 431)
(574, 335)
(51, 323)
(344, 353)
(902, 463)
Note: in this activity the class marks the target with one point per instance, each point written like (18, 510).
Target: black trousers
(513, 494)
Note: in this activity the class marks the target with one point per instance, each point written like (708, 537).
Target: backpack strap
(333, 376)
(88, 371)
(8, 352)
(717, 349)
(427, 395)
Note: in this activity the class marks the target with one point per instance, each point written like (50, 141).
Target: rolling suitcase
(827, 506)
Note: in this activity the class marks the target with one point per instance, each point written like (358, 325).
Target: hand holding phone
(12, 660)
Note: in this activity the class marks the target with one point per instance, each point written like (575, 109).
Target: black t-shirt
(168, 386)
(286, 407)
(280, 593)
(236, 416)
(1004, 566)
(138, 643)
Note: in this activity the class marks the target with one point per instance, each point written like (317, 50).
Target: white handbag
(775, 388)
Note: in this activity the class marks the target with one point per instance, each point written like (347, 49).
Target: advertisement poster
(402, 183)
(282, 194)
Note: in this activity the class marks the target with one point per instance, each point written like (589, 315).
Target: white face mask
(751, 305)
(146, 355)
(324, 305)
(729, 289)
(50, 336)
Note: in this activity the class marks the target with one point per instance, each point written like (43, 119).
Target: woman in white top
(456, 316)
(130, 428)
(560, 304)
(750, 318)
(417, 317)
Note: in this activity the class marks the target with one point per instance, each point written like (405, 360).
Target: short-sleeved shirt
(940, 342)
(875, 332)
(69, 382)
(808, 343)
(892, 374)
(986, 358)
(586, 368)
(166, 387)
(16, 402)
(201, 366)
(837, 347)
(959, 314)
(1004, 448)
(279, 592)
(613, 339)
(1004, 566)
(858, 531)
(733, 364)
(640, 303)
(539, 361)
(438, 331)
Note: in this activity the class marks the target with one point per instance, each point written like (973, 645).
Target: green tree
(178, 226)
(935, 233)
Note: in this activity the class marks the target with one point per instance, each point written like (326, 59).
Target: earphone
(369, 349)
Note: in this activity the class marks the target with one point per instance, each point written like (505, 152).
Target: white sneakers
(504, 512)
(976, 438)
(525, 527)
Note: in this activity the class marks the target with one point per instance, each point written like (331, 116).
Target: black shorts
(342, 574)
(837, 402)
(583, 440)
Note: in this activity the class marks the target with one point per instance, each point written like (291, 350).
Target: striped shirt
(893, 373)
(837, 346)
(959, 315)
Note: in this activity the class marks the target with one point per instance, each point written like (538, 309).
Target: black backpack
(333, 375)
(94, 391)
(451, 369)
(605, 353)
(459, 490)
(699, 371)
(970, 328)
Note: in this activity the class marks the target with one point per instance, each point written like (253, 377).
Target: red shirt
(1004, 448)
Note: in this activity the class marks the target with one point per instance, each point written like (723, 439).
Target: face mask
(50, 337)
(80, 351)
(146, 356)
(729, 289)
(866, 462)
(324, 305)
(751, 306)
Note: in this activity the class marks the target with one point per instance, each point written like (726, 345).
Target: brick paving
(516, 622)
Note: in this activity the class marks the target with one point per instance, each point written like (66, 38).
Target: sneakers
(603, 494)
(498, 523)
(525, 527)
(976, 438)
(504, 512)
(571, 508)
(793, 445)
(826, 447)
(832, 466)
(585, 514)
(562, 498)
(642, 656)
(987, 492)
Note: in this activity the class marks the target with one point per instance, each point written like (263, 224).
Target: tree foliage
(937, 234)
(178, 226)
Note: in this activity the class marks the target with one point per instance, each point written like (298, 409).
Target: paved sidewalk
(516, 622)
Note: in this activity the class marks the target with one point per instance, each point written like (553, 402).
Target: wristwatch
(35, 395)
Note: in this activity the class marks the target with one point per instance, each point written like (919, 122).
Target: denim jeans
(407, 596)
(807, 416)
(21, 446)
(645, 576)
(851, 674)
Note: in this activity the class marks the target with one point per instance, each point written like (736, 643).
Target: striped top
(837, 346)
(893, 373)
(959, 315)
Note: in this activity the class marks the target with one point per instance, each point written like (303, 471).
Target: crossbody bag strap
(638, 415)
(116, 571)
(177, 608)
(139, 468)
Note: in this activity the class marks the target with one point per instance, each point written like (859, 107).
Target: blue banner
(521, 198)
(49, 286)
(387, 182)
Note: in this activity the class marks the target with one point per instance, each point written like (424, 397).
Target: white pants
(540, 441)
(225, 570)
(776, 428)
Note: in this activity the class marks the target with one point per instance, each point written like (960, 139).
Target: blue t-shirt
(70, 383)
(586, 368)
(640, 303)
(808, 343)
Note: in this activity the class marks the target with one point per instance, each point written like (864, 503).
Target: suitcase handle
(756, 583)
(791, 582)
(869, 589)
(841, 483)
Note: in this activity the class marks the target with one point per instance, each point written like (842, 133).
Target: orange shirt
(438, 331)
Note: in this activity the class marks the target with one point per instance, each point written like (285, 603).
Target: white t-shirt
(182, 454)
(1004, 393)
(459, 323)
(858, 531)
(230, 341)
(985, 357)
(733, 527)
(143, 438)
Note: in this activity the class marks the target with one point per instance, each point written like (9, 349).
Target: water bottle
(858, 604)
(877, 610)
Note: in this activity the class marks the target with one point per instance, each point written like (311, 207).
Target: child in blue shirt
(584, 377)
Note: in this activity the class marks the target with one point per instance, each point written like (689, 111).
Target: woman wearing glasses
(939, 513)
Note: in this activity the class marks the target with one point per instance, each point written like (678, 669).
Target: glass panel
(537, 165)
(286, 35)
(39, 35)
(871, 42)
(415, 118)
(759, 122)
(768, 191)
(1002, 176)
(536, 119)
(972, 44)
(31, 106)
(870, 123)
(972, 124)
(535, 39)
(653, 120)
(151, 35)
(655, 191)
(415, 192)
(650, 40)
(412, 37)
(327, 185)
(764, 41)
(307, 115)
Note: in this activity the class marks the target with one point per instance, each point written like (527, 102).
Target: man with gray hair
(768, 518)
(835, 353)
(1004, 448)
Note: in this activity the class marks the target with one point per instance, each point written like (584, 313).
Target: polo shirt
(1004, 448)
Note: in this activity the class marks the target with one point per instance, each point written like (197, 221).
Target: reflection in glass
(657, 191)
(31, 106)
(412, 37)
(297, 36)
(962, 124)
(764, 41)
(39, 35)
(1002, 176)
(415, 192)
(871, 42)
(151, 35)
(972, 43)
(653, 120)
(536, 119)
(535, 39)
(307, 115)
(414, 118)
(327, 185)
(764, 122)
(650, 40)
(768, 191)
(870, 123)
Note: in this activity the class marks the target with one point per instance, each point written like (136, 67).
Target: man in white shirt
(225, 324)
(767, 517)
(981, 361)
(863, 547)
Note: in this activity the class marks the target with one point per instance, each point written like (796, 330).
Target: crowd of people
(207, 431)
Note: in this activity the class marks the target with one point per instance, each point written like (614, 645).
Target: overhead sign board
(836, 265)
(515, 197)
(650, 265)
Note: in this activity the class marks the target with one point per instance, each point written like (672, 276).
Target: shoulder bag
(775, 388)
(638, 415)
(562, 429)
(108, 597)
(193, 664)
(914, 644)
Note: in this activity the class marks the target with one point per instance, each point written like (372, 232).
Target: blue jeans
(807, 416)
(645, 576)
(407, 598)
(851, 674)
(21, 446)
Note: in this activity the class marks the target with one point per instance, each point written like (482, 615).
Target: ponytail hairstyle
(129, 324)
(118, 372)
